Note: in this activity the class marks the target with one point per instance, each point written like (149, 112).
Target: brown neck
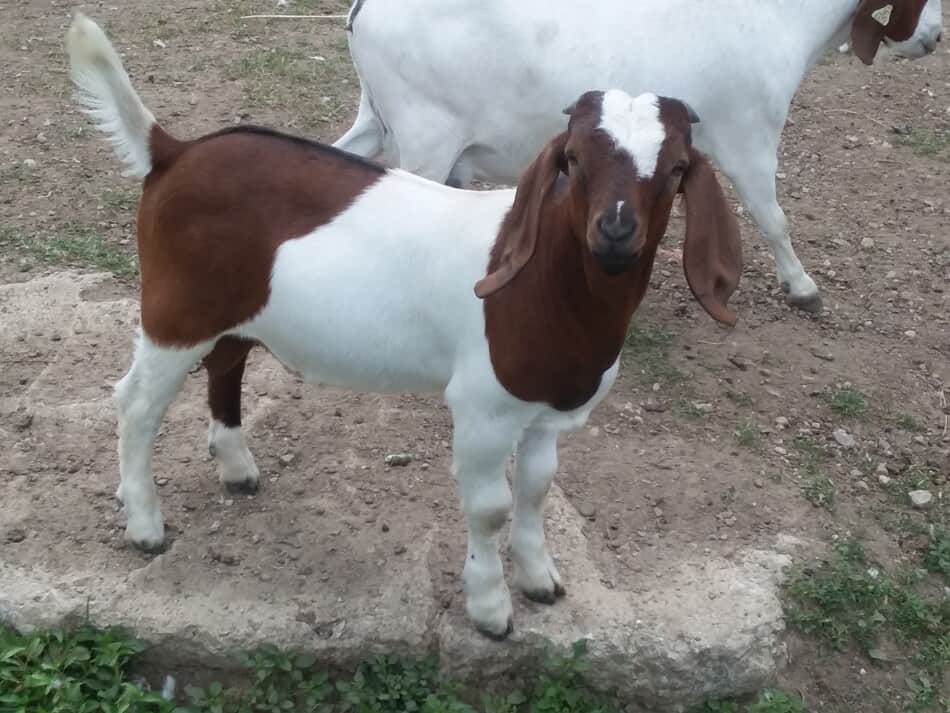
(561, 323)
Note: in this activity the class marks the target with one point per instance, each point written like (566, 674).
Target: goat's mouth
(614, 262)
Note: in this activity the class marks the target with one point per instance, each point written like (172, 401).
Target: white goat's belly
(382, 298)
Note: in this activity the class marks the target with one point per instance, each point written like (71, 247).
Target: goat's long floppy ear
(519, 232)
(873, 22)
(712, 253)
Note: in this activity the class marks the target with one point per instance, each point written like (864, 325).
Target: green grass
(72, 246)
(847, 601)
(767, 702)
(647, 352)
(817, 487)
(937, 557)
(748, 434)
(847, 401)
(932, 143)
(90, 671)
(908, 423)
(120, 201)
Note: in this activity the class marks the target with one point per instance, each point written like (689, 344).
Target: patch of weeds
(120, 201)
(740, 398)
(772, 701)
(647, 350)
(908, 423)
(748, 434)
(273, 63)
(817, 488)
(932, 143)
(73, 246)
(688, 409)
(18, 173)
(845, 601)
(847, 402)
(937, 557)
(84, 670)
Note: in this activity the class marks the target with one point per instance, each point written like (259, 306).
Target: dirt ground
(712, 440)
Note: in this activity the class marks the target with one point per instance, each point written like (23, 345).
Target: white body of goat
(456, 90)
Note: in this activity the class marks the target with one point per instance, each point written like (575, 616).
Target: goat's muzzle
(615, 245)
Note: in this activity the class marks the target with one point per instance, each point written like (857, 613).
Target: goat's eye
(679, 169)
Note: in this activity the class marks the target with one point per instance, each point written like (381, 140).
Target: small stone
(867, 244)
(398, 459)
(703, 407)
(759, 483)
(844, 439)
(781, 451)
(14, 536)
(652, 406)
(881, 469)
(29, 163)
(215, 526)
(910, 334)
(587, 510)
(781, 422)
(739, 363)
(862, 486)
(884, 480)
(287, 459)
(920, 499)
(224, 557)
(822, 354)
(22, 420)
(399, 550)
(161, 482)
(892, 275)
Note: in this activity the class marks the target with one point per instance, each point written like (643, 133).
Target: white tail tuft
(106, 94)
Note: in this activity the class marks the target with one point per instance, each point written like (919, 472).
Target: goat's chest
(562, 363)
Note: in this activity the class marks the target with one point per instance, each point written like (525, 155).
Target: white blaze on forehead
(634, 125)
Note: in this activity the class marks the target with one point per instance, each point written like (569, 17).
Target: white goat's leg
(423, 148)
(481, 451)
(365, 137)
(142, 397)
(535, 466)
(752, 172)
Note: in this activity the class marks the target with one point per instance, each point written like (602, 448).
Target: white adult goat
(458, 90)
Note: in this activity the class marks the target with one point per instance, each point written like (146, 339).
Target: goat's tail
(106, 94)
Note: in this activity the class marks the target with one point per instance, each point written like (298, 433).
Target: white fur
(236, 465)
(106, 95)
(485, 83)
(397, 312)
(634, 125)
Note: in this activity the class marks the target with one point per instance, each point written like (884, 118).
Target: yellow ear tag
(883, 15)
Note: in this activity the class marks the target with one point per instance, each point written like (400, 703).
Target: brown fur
(212, 215)
(555, 321)
(867, 34)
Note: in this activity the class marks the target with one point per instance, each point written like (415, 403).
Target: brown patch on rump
(554, 319)
(213, 213)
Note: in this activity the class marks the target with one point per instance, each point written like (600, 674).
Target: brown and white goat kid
(363, 277)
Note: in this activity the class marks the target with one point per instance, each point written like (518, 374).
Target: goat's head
(909, 28)
(617, 170)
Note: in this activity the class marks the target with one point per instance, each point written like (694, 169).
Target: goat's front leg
(142, 397)
(480, 458)
(535, 466)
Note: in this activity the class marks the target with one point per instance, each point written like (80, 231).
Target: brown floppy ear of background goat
(867, 33)
(523, 222)
(712, 252)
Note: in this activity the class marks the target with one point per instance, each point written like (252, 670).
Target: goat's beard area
(615, 259)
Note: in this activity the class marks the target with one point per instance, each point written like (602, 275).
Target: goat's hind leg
(237, 470)
(142, 396)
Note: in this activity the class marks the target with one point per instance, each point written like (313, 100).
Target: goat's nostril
(617, 229)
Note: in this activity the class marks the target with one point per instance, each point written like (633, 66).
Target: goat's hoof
(811, 304)
(212, 451)
(494, 636)
(148, 546)
(250, 486)
(544, 596)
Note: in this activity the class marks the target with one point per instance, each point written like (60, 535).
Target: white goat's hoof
(541, 583)
(811, 303)
(247, 484)
(492, 614)
(118, 495)
(146, 533)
